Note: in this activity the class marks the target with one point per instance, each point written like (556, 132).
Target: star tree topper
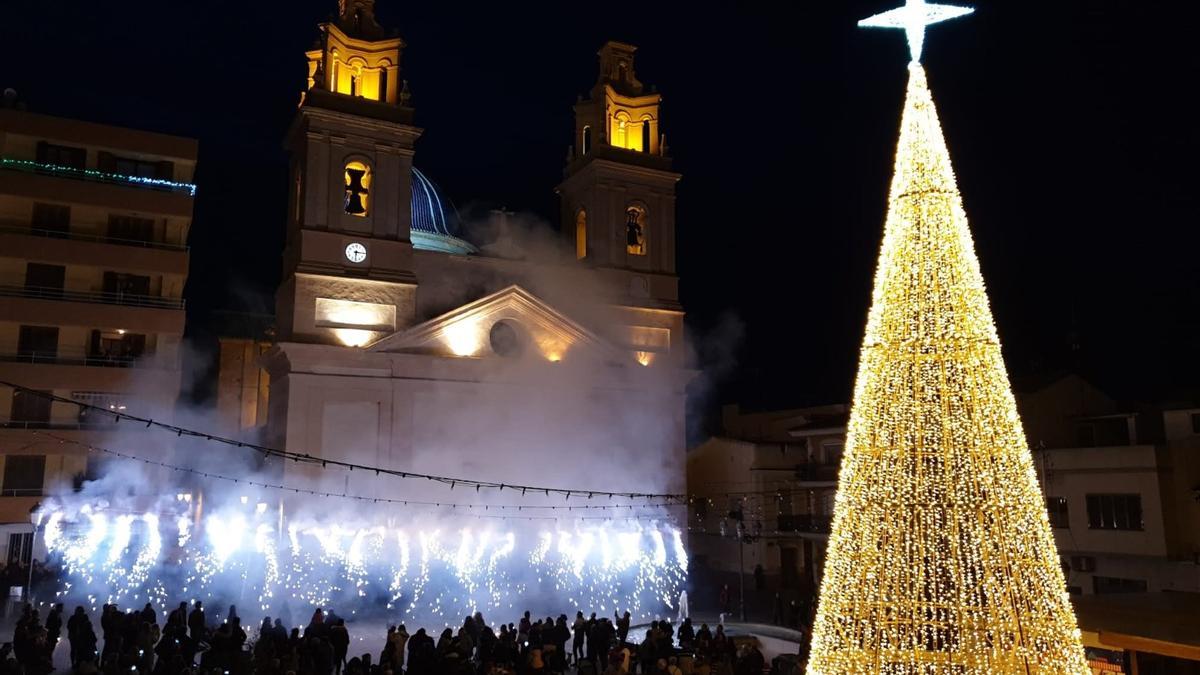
(913, 17)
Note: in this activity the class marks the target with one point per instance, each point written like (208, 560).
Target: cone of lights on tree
(941, 557)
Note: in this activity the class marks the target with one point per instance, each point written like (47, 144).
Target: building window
(61, 155)
(635, 230)
(299, 191)
(581, 234)
(620, 133)
(20, 549)
(833, 453)
(646, 135)
(52, 218)
(145, 169)
(586, 141)
(38, 343)
(1108, 585)
(100, 402)
(1114, 512)
(358, 186)
(24, 475)
(116, 345)
(130, 228)
(1196, 423)
(131, 166)
(504, 339)
(30, 409)
(120, 284)
(1056, 508)
(45, 277)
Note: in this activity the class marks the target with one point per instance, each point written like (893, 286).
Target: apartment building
(94, 222)
(772, 476)
(1122, 487)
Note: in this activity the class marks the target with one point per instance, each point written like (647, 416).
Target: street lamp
(743, 537)
(35, 517)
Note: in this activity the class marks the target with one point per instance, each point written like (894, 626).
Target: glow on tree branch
(941, 557)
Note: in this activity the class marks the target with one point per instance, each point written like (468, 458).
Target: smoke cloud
(141, 532)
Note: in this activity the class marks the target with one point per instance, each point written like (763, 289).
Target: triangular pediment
(468, 331)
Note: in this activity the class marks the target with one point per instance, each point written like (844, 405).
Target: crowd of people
(189, 642)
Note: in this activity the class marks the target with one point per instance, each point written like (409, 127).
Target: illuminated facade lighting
(464, 338)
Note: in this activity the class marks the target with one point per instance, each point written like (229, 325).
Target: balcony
(90, 238)
(81, 424)
(102, 297)
(94, 176)
(21, 492)
(817, 473)
(804, 523)
(58, 358)
(107, 191)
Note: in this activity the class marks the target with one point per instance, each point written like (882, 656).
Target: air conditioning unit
(1083, 563)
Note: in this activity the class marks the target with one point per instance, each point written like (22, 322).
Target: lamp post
(741, 537)
(35, 517)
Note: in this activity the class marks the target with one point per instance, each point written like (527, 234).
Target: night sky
(1073, 127)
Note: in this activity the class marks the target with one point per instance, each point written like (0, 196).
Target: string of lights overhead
(453, 506)
(325, 463)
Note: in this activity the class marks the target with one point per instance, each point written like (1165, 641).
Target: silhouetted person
(197, 623)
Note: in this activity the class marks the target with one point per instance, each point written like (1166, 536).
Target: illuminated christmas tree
(941, 558)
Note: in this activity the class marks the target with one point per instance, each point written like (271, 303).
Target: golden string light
(941, 557)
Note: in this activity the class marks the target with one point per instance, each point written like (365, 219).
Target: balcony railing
(815, 472)
(21, 492)
(100, 421)
(814, 523)
(60, 359)
(94, 238)
(94, 176)
(104, 297)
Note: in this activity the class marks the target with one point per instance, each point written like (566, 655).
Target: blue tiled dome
(434, 219)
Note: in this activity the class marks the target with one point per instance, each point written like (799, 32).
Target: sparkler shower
(240, 554)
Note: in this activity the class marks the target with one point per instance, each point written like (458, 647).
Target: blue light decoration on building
(434, 219)
(94, 175)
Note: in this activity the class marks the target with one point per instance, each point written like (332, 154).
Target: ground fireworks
(429, 568)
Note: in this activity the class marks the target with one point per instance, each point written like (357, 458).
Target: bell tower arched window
(646, 134)
(581, 234)
(620, 132)
(635, 230)
(586, 141)
(358, 189)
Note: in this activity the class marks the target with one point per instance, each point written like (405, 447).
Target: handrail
(57, 358)
(804, 522)
(56, 424)
(104, 297)
(95, 176)
(95, 238)
(21, 492)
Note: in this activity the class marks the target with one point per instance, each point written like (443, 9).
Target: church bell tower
(347, 268)
(618, 193)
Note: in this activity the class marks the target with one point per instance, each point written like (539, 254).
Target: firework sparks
(239, 553)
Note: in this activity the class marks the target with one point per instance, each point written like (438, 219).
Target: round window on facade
(505, 339)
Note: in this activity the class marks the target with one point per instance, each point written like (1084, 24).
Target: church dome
(434, 219)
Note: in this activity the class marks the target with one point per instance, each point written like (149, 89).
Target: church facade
(400, 343)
